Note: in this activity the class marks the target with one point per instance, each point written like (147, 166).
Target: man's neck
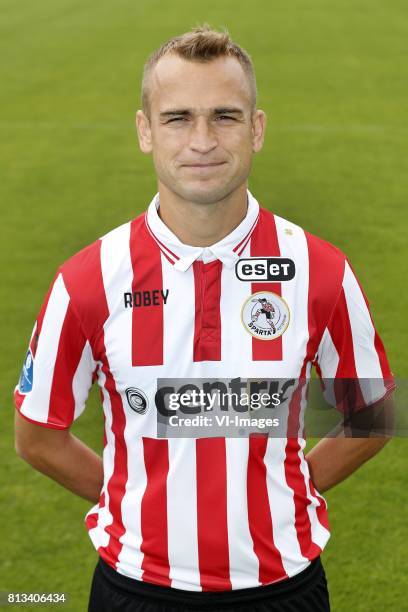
(202, 224)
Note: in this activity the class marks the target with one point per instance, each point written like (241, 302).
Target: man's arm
(333, 459)
(61, 456)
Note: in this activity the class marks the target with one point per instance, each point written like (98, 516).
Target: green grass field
(333, 79)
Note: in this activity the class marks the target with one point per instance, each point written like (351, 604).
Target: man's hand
(61, 456)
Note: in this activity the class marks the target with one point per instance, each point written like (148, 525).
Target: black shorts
(113, 592)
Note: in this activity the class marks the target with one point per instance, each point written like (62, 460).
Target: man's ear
(258, 130)
(144, 132)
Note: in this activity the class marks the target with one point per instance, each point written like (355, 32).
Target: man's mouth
(201, 165)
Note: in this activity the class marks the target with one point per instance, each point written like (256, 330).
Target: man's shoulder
(315, 258)
(318, 249)
(322, 249)
(88, 273)
(84, 272)
(83, 260)
(88, 259)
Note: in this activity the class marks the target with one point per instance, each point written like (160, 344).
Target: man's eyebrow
(170, 113)
(219, 110)
(228, 110)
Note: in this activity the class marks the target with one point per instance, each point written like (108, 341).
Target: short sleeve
(351, 359)
(58, 369)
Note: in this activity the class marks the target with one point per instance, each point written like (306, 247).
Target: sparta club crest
(265, 315)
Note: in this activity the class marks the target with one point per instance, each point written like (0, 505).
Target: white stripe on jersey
(295, 294)
(367, 362)
(329, 366)
(114, 256)
(130, 558)
(303, 405)
(233, 294)
(320, 534)
(282, 505)
(36, 404)
(178, 332)
(117, 276)
(295, 339)
(82, 382)
(331, 357)
(366, 359)
(241, 548)
(182, 514)
(104, 515)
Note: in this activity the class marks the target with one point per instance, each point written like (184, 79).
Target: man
(216, 522)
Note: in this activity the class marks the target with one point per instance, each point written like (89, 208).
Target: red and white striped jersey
(200, 514)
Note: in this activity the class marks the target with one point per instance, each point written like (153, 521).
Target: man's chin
(205, 194)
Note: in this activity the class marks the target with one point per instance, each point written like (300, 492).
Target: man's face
(202, 131)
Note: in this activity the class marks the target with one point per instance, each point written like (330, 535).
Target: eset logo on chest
(265, 269)
(265, 315)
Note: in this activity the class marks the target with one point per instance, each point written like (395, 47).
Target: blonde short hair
(201, 44)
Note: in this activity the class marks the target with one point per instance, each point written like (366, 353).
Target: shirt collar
(227, 250)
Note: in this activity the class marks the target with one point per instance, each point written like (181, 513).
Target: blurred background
(333, 79)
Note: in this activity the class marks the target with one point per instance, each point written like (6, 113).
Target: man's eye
(184, 118)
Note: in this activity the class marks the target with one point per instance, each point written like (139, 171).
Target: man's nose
(203, 138)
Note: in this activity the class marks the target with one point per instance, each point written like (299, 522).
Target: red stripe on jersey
(326, 271)
(378, 345)
(105, 439)
(327, 308)
(147, 320)
(382, 357)
(212, 527)
(346, 386)
(259, 512)
(91, 520)
(164, 249)
(40, 317)
(207, 322)
(155, 565)
(19, 397)
(242, 244)
(319, 309)
(84, 281)
(321, 510)
(18, 400)
(243, 247)
(295, 478)
(264, 243)
(172, 261)
(340, 332)
(116, 486)
(82, 276)
(70, 346)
